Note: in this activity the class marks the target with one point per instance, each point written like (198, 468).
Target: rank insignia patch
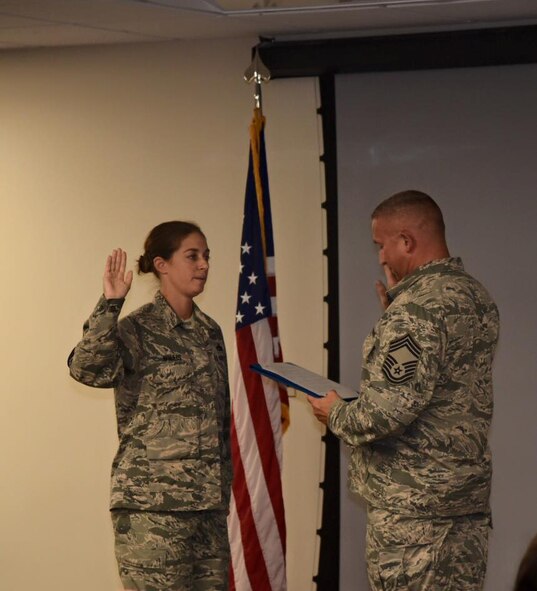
(402, 359)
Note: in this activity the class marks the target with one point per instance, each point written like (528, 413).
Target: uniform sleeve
(101, 358)
(226, 455)
(226, 430)
(401, 363)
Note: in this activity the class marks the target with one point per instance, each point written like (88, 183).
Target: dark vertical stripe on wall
(327, 577)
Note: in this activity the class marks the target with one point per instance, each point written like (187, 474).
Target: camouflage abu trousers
(428, 554)
(183, 551)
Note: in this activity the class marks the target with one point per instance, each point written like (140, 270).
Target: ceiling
(48, 23)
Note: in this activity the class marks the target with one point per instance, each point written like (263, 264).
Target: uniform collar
(438, 266)
(169, 316)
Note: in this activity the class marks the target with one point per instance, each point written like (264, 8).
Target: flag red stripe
(271, 279)
(261, 424)
(273, 323)
(253, 555)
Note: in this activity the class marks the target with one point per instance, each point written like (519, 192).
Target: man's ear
(160, 265)
(409, 241)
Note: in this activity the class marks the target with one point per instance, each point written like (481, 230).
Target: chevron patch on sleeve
(400, 364)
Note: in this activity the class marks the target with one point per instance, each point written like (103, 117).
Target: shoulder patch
(400, 364)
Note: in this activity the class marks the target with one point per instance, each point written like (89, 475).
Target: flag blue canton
(253, 302)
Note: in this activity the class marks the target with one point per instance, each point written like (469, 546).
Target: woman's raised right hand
(116, 283)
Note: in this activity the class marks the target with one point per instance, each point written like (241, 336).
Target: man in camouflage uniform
(171, 476)
(419, 429)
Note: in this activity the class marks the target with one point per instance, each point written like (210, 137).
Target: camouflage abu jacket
(419, 429)
(172, 404)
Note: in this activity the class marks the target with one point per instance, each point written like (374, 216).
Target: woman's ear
(160, 265)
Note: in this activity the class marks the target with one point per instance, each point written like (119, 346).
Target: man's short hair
(411, 202)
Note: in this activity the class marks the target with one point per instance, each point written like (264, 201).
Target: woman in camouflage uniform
(166, 361)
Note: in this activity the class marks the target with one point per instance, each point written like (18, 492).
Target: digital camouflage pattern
(419, 429)
(172, 404)
(179, 551)
(427, 554)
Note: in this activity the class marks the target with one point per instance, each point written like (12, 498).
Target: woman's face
(185, 273)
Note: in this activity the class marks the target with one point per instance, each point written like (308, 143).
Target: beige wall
(97, 145)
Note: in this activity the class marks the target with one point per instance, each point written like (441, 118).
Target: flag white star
(245, 248)
(252, 278)
(239, 317)
(241, 267)
(245, 297)
(259, 308)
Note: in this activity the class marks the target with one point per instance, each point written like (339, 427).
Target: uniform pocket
(166, 372)
(131, 558)
(174, 437)
(405, 552)
(390, 568)
(410, 567)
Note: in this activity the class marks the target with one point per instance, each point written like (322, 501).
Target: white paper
(302, 379)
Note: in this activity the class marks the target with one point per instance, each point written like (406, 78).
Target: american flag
(259, 407)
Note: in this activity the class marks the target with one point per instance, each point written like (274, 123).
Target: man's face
(391, 246)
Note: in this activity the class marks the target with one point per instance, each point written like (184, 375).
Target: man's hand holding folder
(322, 406)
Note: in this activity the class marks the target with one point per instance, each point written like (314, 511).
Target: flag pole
(259, 411)
(257, 73)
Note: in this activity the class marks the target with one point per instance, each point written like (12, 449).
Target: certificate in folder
(302, 379)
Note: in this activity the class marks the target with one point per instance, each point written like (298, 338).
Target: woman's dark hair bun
(145, 264)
